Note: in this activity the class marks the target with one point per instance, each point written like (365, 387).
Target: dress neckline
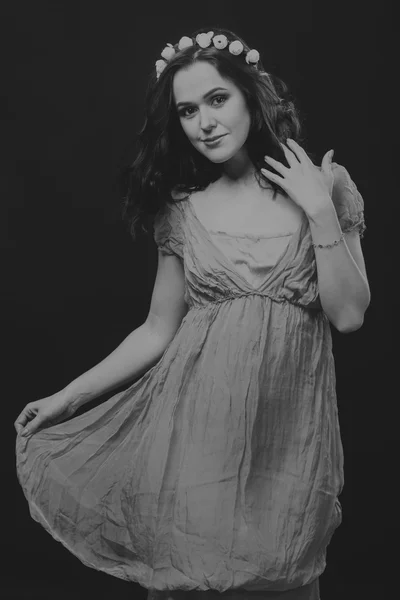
(227, 261)
(237, 234)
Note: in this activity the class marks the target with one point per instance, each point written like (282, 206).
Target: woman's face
(209, 105)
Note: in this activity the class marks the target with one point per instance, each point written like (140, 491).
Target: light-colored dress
(219, 470)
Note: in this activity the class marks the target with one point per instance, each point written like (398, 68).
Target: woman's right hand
(44, 413)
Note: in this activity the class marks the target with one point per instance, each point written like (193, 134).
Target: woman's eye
(216, 97)
(184, 112)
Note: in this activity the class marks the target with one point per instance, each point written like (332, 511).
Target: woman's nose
(206, 120)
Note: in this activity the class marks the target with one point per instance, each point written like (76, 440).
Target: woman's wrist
(74, 396)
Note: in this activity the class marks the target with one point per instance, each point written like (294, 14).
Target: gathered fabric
(219, 470)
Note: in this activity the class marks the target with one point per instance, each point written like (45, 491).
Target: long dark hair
(166, 160)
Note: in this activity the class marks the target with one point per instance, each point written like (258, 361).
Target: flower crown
(204, 40)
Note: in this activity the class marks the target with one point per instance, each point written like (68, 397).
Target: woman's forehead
(191, 83)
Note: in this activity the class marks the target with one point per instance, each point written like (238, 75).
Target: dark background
(74, 284)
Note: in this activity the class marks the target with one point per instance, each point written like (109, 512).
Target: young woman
(218, 471)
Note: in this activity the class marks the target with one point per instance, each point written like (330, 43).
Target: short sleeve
(349, 203)
(168, 234)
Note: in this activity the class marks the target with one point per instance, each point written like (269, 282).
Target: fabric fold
(219, 469)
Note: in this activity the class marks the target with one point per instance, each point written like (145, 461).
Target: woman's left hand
(309, 186)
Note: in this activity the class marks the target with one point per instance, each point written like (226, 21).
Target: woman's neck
(239, 171)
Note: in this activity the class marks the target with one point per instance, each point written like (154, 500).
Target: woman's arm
(342, 279)
(140, 351)
(144, 347)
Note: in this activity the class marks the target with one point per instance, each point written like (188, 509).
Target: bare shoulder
(177, 194)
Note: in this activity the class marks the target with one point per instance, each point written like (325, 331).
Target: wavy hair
(165, 159)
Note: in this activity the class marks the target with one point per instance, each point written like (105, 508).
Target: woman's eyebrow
(204, 97)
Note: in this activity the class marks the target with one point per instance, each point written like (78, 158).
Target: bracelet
(329, 245)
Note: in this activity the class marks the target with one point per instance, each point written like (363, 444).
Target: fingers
(273, 177)
(290, 155)
(276, 165)
(31, 428)
(25, 416)
(327, 161)
(299, 152)
(21, 421)
(18, 427)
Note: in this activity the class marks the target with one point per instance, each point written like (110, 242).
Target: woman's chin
(217, 157)
(217, 160)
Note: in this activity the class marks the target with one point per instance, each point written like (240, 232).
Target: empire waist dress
(219, 470)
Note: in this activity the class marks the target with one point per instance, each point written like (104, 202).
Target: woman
(219, 469)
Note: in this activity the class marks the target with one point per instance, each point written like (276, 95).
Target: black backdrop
(74, 284)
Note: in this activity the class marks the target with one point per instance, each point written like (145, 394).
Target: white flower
(160, 66)
(204, 39)
(220, 41)
(168, 52)
(185, 42)
(236, 47)
(252, 56)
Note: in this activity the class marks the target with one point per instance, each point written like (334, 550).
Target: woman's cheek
(188, 128)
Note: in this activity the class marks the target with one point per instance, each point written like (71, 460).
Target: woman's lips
(215, 141)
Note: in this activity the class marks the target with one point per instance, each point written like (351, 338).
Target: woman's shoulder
(341, 174)
(347, 199)
(343, 183)
(177, 194)
(170, 206)
(171, 209)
